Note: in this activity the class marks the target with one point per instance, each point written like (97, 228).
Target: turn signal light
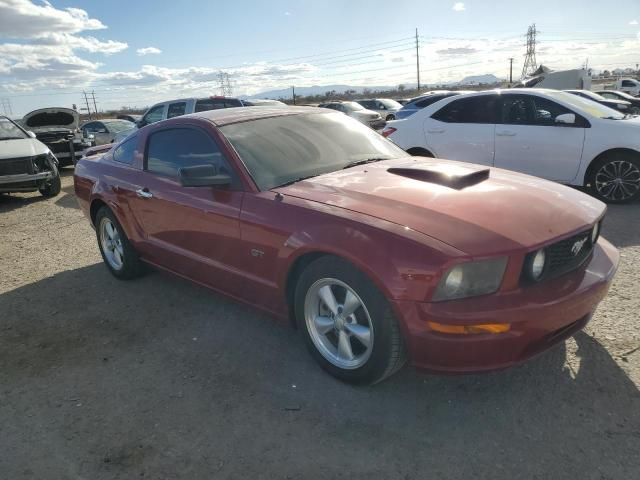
(470, 329)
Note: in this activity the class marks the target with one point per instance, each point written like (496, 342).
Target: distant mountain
(479, 80)
(317, 90)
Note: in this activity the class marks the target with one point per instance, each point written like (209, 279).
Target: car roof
(227, 116)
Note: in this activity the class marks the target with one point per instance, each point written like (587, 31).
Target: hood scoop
(444, 178)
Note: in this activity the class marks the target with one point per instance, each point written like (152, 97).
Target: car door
(463, 129)
(193, 231)
(529, 140)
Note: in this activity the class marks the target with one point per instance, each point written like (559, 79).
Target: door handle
(506, 133)
(435, 130)
(144, 193)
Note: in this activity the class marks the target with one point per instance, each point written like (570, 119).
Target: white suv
(547, 133)
(183, 106)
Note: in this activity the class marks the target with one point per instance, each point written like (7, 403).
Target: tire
(419, 152)
(390, 117)
(52, 188)
(370, 334)
(615, 178)
(117, 253)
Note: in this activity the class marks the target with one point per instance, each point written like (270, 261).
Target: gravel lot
(158, 378)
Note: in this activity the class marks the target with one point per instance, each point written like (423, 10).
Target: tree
(401, 88)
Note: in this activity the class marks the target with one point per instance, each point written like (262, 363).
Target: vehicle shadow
(620, 225)
(67, 198)
(160, 378)
(9, 202)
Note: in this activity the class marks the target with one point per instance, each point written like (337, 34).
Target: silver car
(386, 107)
(106, 130)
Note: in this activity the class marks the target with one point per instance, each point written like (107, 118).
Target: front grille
(16, 166)
(563, 256)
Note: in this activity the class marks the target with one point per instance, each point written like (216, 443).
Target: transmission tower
(224, 84)
(6, 106)
(530, 64)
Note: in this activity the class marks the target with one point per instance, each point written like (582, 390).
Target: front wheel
(616, 178)
(347, 323)
(52, 188)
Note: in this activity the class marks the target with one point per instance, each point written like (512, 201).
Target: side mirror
(566, 119)
(140, 123)
(31, 134)
(202, 176)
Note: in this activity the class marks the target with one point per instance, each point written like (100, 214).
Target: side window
(176, 109)
(154, 115)
(169, 150)
(627, 83)
(88, 128)
(205, 104)
(545, 111)
(608, 95)
(515, 110)
(481, 109)
(367, 104)
(125, 151)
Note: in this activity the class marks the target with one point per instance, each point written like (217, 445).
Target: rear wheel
(347, 323)
(390, 117)
(615, 178)
(118, 254)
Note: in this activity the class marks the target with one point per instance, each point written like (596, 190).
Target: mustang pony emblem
(575, 249)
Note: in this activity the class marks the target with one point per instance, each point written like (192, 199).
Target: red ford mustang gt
(378, 257)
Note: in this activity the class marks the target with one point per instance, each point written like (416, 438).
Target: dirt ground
(158, 378)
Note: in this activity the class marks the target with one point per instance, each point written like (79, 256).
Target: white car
(357, 111)
(546, 133)
(386, 107)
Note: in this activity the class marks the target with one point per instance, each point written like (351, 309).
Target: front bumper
(24, 181)
(540, 316)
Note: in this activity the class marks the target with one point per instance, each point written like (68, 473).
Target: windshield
(390, 104)
(119, 125)
(585, 105)
(283, 149)
(352, 106)
(10, 131)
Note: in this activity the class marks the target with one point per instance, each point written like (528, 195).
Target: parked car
(628, 85)
(402, 101)
(130, 118)
(618, 95)
(263, 103)
(546, 133)
(620, 105)
(386, 107)
(357, 111)
(183, 106)
(58, 128)
(105, 130)
(418, 103)
(375, 255)
(26, 164)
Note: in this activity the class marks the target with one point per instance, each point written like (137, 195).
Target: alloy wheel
(618, 180)
(339, 323)
(111, 244)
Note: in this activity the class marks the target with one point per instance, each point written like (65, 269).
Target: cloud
(24, 19)
(148, 51)
(457, 51)
(287, 14)
(633, 22)
(458, 7)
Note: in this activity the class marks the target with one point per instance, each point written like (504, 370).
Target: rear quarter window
(125, 151)
(205, 104)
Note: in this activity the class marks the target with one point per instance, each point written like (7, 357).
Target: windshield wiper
(364, 162)
(12, 138)
(295, 180)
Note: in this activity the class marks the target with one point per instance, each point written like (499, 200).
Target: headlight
(595, 233)
(471, 279)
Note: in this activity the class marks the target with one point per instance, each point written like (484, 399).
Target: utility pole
(530, 64)
(510, 70)
(95, 108)
(293, 92)
(86, 101)
(418, 60)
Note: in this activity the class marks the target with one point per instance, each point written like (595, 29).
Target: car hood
(504, 212)
(26, 147)
(51, 118)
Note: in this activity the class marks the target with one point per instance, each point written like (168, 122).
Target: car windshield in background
(586, 105)
(120, 125)
(390, 104)
(352, 106)
(10, 131)
(283, 149)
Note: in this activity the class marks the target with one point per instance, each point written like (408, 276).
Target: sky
(135, 53)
